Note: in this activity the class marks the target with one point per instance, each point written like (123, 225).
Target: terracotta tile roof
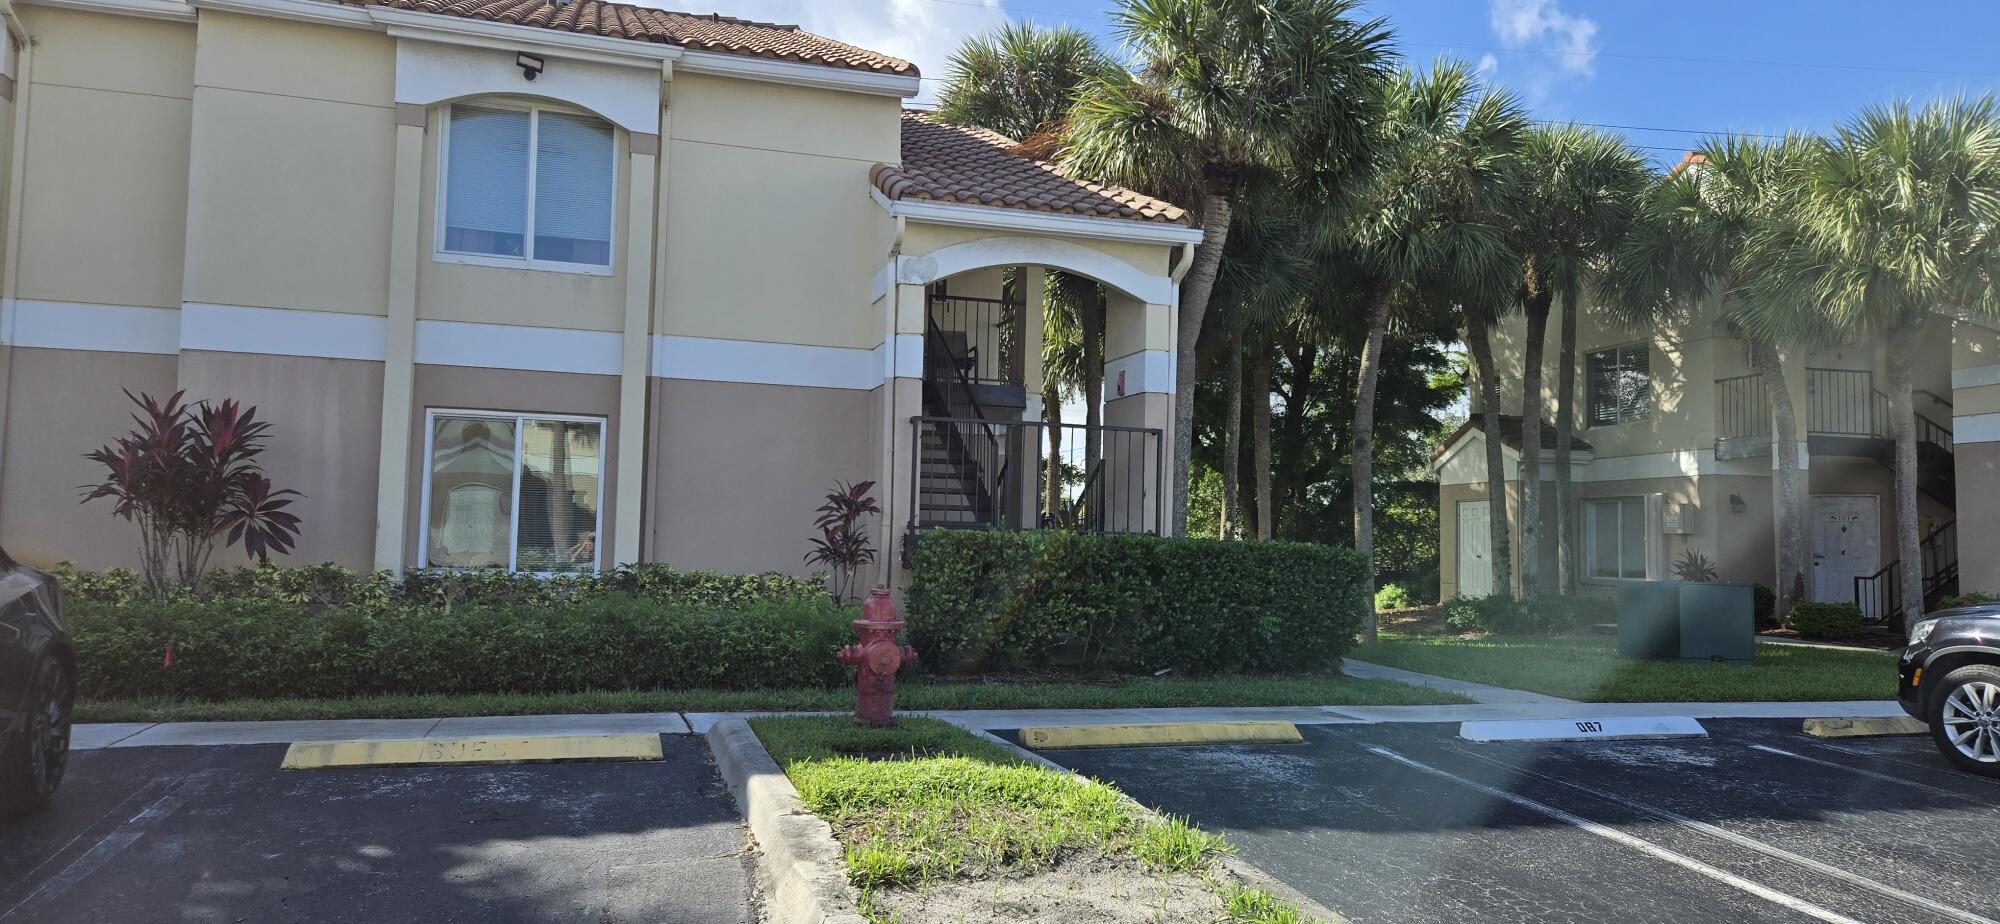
(950, 163)
(699, 31)
(1510, 435)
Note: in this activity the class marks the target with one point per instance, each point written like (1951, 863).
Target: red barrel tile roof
(950, 163)
(698, 31)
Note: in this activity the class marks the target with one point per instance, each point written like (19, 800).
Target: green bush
(1970, 598)
(1393, 597)
(247, 647)
(1764, 603)
(1543, 613)
(992, 600)
(1826, 620)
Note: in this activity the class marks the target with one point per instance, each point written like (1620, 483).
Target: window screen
(528, 184)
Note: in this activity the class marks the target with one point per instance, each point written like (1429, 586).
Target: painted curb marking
(1606, 729)
(410, 752)
(1165, 734)
(1865, 728)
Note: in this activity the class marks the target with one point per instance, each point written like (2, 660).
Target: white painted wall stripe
(504, 346)
(282, 331)
(80, 326)
(1975, 376)
(709, 360)
(1144, 371)
(1976, 428)
(908, 359)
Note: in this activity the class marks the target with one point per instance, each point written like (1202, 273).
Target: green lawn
(1333, 690)
(927, 802)
(1588, 668)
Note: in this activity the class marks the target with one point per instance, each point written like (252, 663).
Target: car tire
(31, 767)
(1964, 717)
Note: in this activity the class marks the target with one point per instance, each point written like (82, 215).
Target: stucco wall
(1979, 534)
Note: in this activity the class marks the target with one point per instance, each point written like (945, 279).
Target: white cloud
(1488, 65)
(920, 31)
(1543, 23)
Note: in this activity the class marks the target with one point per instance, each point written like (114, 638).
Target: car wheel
(33, 767)
(1965, 718)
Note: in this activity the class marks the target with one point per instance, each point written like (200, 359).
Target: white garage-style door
(1475, 549)
(1846, 544)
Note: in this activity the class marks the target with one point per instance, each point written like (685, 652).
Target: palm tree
(1897, 219)
(1692, 244)
(1579, 189)
(1020, 79)
(1226, 88)
(1444, 143)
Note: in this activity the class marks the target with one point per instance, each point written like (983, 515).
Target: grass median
(1588, 668)
(1318, 690)
(941, 825)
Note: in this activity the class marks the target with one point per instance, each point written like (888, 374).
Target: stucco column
(15, 74)
(1029, 443)
(1138, 393)
(398, 368)
(903, 369)
(1975, 390)
(636, 352)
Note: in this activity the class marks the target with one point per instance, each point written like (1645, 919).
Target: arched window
(526, 185)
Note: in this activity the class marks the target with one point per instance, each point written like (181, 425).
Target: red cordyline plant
(842, 544)
(188, 474)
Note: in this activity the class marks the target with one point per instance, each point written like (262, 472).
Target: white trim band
(752, 362)
(506, 346)
(1975, 428)
(825, 77)
(82, 326)
(1018, 250)
(1139, 373)
(283, 332)
(1975, 376)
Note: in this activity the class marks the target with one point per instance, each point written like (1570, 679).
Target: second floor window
(531, 185)
(1620, 390)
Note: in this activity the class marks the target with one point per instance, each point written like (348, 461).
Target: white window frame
(441, 254)
(1590, 537)
(519, 420)
(1619, 418)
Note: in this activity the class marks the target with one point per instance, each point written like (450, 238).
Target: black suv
(1951, 680)
(37, 688)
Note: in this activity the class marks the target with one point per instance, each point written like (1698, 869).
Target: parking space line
(1616, 836)
(1750, 843)
(117, 840)
(1932, 768)
(1884, 777)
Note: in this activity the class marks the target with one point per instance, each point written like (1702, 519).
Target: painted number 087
(1589, 727)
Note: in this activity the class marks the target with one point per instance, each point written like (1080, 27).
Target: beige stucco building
(1673, 454)
(548, 285)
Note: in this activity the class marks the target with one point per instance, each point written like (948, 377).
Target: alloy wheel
(1972, 720)
(49, 729)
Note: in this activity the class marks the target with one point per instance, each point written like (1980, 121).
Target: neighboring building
(1673, 453)
(548, 285)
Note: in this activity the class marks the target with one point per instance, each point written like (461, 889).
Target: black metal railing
(1742, 407)
(1845, 402)
(1880, 595)
(1033, 474)
(981, 334)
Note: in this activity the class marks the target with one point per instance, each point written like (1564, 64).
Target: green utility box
(1683, 621)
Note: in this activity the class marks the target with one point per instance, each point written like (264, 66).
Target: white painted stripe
(1752, 844)
(753, 362)
(1643, 846)
(1975, 376)
(115, 842)
(81, 326)
(1883, 777)
(1581, 729)
(909, 358)
(1141, 372)
(506, 346)
(282, 331)
(1976, 428)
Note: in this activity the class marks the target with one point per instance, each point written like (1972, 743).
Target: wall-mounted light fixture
(1736, 504)
(531, 65)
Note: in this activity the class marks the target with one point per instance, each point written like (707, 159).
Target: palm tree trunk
(1791, 487)
(1479, 341)
(1903, 423)
(1232, 441)
(1216, 208)
(1539, 296)
(1093, 389)
(1565, 438)
(1364, 447)
(1258, 390)
(1052, 481)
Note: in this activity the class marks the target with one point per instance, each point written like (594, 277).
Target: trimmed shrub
(1543, 613)
(1764, 603)
(993, 600)
(1826, 620)
(1393, 597)
(246, 647)
(1970, 598)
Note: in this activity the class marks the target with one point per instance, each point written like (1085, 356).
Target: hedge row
(232, 648)
(991, 600)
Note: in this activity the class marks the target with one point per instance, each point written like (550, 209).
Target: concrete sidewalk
(205, 734)
(1477, 692)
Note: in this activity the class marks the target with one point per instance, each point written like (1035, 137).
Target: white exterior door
(1475, 549)
(1846, 544)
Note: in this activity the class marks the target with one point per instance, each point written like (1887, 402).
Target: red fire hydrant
(878, 657)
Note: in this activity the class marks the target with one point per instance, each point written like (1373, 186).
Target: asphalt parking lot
(220, 834)
(1410, 823)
